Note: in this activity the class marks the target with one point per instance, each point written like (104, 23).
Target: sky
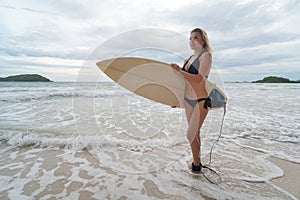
(251, 39)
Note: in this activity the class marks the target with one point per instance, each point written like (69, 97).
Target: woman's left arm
(205, 64)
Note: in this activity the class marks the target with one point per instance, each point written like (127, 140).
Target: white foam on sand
(29, 173)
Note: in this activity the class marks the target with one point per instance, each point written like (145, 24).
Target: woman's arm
(204, 68)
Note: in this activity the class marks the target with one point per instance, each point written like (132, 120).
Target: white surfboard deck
(151, 79)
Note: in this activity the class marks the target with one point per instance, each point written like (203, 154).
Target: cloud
(252, 35)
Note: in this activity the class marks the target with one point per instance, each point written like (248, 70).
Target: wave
(78, 142)
(11, 97)
(34, 91)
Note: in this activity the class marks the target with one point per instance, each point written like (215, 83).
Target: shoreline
(289, 181)
(65, 173)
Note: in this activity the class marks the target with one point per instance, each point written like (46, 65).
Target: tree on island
(25, 78)
(275, 79)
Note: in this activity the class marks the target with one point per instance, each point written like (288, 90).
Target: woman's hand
(175, 67)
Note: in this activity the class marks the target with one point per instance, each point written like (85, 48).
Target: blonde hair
(204, 36)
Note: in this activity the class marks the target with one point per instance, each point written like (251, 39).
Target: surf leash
(210, 154)
(205, 176)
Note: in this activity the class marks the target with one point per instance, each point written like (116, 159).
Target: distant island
(275, 79)
(25, 78)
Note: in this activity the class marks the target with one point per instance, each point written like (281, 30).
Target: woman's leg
(188, 111)
(197, 118)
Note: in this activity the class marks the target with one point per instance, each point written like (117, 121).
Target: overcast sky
(251, 39)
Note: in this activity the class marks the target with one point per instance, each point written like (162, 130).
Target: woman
(195, 71)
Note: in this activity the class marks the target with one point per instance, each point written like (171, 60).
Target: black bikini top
(194, 67)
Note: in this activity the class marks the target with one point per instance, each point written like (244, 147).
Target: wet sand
(37, 173)
(290, 181)
(54, 173)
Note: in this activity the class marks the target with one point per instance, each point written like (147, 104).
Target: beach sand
(290, 181)
(29, 173)
(43, 173)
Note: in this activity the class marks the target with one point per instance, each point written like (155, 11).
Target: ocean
(64, 140)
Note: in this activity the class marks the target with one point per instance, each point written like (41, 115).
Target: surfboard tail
(216, 95)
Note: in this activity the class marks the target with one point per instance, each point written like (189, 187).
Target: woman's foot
(196, 168)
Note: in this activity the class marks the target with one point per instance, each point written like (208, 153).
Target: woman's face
(196, 41)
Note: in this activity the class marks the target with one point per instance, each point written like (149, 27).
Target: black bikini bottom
(193, 102)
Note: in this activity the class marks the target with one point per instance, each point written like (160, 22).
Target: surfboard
(154, 80)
